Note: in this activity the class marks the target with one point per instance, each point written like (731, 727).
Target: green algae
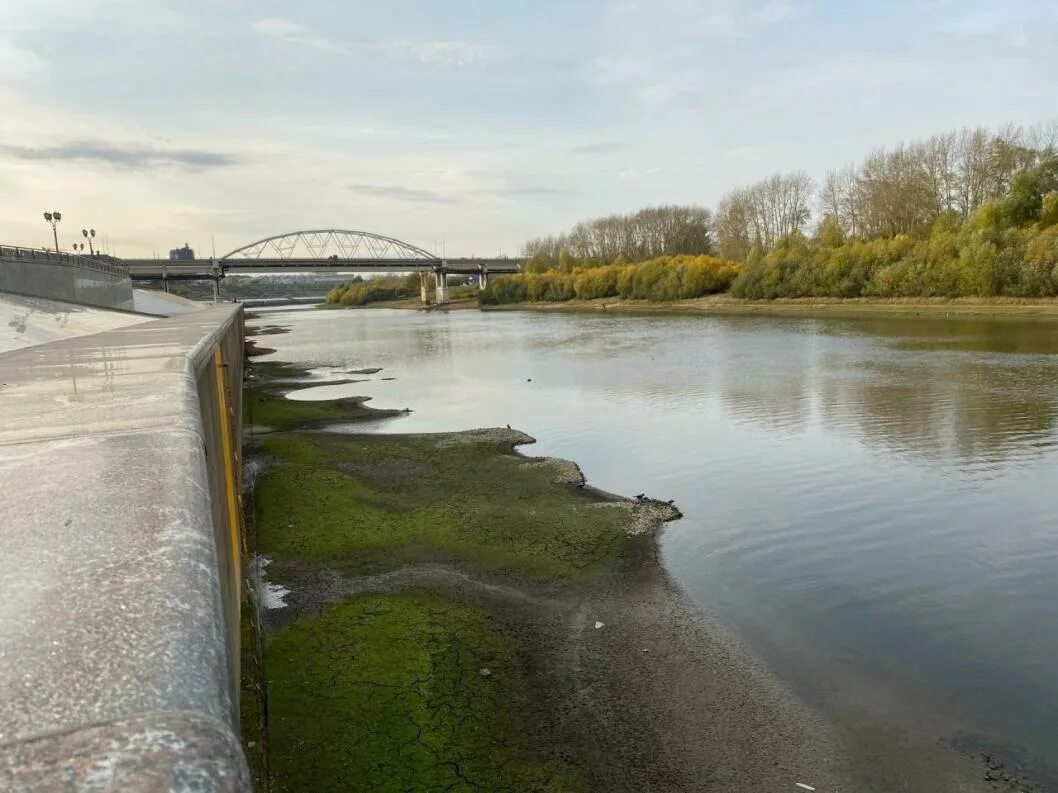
(402, 692)
(387, 692)
(367, 503)
(265, 404)
(251, 699)
(264, 409)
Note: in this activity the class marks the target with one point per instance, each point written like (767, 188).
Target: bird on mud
(508, 426)
(641, 496)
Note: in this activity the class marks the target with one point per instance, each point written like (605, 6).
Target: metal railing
(100, 263)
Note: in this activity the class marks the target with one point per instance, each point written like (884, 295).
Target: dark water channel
(870, 504)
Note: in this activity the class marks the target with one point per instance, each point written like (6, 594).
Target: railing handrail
(99, 265)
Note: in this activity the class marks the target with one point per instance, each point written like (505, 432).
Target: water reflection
(869, 504)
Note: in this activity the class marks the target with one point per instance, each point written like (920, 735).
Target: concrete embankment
(61, 276)
(119, 599)
(29, 321)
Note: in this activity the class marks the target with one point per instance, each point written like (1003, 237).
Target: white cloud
(632, 174)
(658, 50)
(433, 53)
(413, 195)
(651, 19)
(16, 62)
(668, 20)
(773, 12)
(292, 33)
(443, 53)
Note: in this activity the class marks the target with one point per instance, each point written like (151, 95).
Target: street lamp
(89, 235)
(54, 218)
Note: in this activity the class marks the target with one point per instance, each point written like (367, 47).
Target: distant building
(181, 254)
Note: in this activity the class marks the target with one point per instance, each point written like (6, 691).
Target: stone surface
(151, 752)
(112, 587)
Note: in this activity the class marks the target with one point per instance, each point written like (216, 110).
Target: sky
(479, 123)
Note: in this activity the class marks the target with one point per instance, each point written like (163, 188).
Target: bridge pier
(218, 273)
(441, 292)
(483, 279)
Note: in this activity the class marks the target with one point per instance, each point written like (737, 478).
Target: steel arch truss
(331, 243)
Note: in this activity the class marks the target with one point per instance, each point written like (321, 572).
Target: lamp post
(89, 235)
(54, 218)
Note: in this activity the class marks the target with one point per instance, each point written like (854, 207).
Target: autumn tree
(761, 214)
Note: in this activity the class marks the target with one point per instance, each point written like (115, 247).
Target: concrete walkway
(118, 576)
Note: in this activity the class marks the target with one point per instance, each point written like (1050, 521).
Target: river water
(869, 504)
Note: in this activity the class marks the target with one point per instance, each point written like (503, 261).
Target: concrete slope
(152, 301)
(28, 321)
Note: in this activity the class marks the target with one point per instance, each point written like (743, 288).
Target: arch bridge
(323, 251)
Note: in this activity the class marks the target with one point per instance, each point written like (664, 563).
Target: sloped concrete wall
(119, 614)
(27, 321)
(64, 277)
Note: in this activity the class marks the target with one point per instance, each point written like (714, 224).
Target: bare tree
(761, 214)
(648, 233)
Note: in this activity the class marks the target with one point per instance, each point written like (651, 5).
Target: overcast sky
(481, 122)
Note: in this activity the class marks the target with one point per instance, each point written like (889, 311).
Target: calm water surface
(869, 503)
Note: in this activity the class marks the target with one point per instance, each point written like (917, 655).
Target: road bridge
(325, 251)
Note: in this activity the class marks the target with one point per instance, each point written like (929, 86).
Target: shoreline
(633, 687)
(1039, 309)
(843, 308)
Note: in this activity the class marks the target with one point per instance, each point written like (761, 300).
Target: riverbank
(943, 308)
(412, 303)
(725, 305)
(462, 616)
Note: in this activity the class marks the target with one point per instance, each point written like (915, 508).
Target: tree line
(1006, 247)
(969, 212)
(664, 278)
(636, 237)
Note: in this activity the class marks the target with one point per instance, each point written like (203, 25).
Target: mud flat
(460, 616)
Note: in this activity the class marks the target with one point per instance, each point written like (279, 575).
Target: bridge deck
(207, 268)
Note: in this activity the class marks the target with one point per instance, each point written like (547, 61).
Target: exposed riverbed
(867, 502)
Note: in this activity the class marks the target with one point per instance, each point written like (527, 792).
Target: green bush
(659, 280)
(360, 292)
(988, 255)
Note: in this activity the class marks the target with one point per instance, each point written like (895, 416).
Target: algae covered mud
(461, 617)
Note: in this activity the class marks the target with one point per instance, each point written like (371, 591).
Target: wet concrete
(115, 592)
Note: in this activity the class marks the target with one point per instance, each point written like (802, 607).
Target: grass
(386, 693)
(374, 502)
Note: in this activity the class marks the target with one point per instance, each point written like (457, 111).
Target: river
(869, 504)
